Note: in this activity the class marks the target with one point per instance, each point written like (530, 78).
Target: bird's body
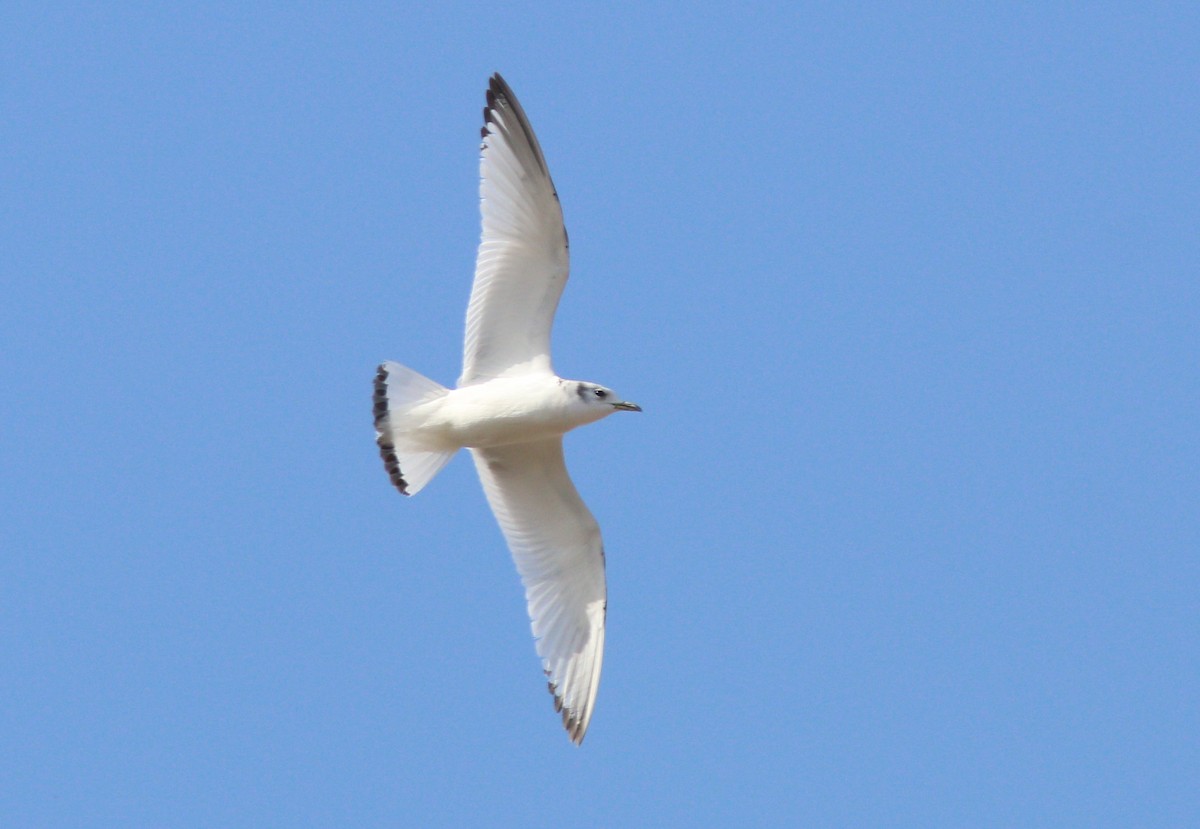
(497, 413)
(511, 410)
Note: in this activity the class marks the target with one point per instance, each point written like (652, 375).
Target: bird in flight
(511, 410)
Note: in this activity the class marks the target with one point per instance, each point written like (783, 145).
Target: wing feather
(522, 263)
(556, 544)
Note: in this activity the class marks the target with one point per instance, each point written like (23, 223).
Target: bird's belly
(501, 430)
(499, 415)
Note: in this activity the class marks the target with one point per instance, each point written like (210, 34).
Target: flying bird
(511, 410)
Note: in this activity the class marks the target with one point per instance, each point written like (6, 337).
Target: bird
(511, 410)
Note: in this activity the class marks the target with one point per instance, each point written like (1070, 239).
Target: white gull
(511, 410)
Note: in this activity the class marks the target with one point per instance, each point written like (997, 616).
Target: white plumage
(511, 410)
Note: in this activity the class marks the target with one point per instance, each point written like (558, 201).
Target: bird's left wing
(556, 544)
(522, 263)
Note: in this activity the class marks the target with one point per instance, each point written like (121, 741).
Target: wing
(556, 544)
(522, 263)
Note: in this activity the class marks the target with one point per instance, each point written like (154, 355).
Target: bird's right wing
(556, 544)
(522, 263)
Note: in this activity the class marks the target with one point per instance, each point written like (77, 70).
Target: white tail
(398, 389)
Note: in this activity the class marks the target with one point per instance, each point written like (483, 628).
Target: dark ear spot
(581, 390)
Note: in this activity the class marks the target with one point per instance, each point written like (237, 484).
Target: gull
(511, 410)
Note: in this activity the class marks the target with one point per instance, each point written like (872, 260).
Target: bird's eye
(601, 393)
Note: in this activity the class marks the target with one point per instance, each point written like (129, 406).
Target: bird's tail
(399, 390)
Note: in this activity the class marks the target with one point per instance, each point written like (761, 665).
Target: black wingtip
(500, 97)
(495, 100)
(571, 722)
(387, 449)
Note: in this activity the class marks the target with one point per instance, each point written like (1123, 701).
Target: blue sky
(907, 535)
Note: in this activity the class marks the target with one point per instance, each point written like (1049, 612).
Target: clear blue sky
(907, 536)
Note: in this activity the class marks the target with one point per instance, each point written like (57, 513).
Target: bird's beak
(626, 406)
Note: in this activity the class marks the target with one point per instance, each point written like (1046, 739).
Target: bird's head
(601, 400)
